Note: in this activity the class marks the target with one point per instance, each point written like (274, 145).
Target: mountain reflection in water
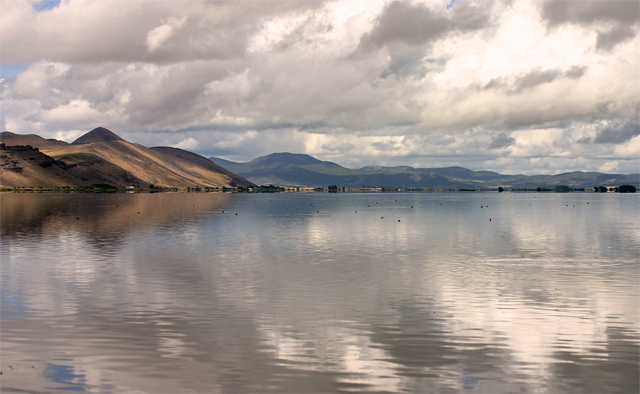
(295, 292)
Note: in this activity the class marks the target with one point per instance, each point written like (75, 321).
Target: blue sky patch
(44, 5)
(452, 3)
(11, 71)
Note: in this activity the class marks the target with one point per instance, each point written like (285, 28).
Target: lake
(320, 292)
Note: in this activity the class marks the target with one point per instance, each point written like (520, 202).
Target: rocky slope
(102, 157)
(22, 165)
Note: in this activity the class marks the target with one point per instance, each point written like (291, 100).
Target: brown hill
(186, 160)
(99, 134)
(11, 139)
(111, 160)
(27, 166)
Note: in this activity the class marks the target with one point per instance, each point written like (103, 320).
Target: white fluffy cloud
(161, 34)
(510, 86)
(187, 144)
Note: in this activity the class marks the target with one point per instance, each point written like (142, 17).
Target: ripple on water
(306, 294)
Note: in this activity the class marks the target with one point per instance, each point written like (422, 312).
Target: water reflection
(65, 376)
(320, 293)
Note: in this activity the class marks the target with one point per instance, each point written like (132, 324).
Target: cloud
(610, 167)
(589, 11)
(614, 21)
(501, 140)
(532, 79)
(75, 111)
(187, 144)
(338, 146)
(535, 78)
(161, 34)
(356, 82)
(617, 133)
(575, 72)
(608, 39)
(416, 25)
(388, 145)
(127, 31)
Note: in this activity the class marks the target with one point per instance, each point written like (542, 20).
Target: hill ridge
(102, 157)
(99, 134)
(314, 173)
(11, 139)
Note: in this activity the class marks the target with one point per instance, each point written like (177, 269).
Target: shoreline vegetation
(104, 188)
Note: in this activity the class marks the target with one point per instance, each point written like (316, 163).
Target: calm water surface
(399, 292)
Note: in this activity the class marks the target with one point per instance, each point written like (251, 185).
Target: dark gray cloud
(535, 78)
(384, 145)
(575, 72)
(617, 133)
(408, 62)
(532, 79)
(607, 40)
(501, 140)
(338, 146)
(621, 18)
(417, 25)
(557, 12)
(605, 107)
(495, 83)
(405, 23)
(532, 117)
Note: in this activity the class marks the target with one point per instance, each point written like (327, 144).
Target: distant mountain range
(100, 157)
(299, 170)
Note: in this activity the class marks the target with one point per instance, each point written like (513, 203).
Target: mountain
(224, 163)
(287, 169)
(22, 165)
(283, 160)
(11, 139)
(102, 157)
(298, 170)
(99, 134)
(196, 165)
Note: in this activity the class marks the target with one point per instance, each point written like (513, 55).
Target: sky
(513, 86)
